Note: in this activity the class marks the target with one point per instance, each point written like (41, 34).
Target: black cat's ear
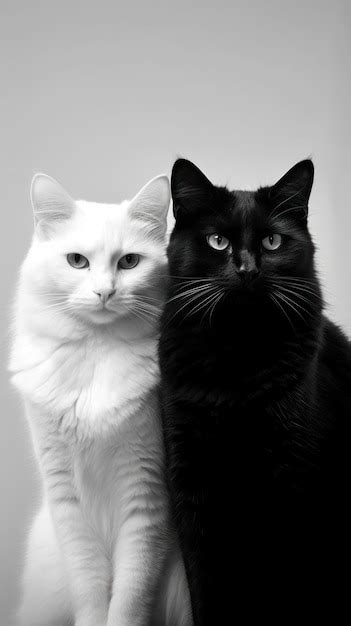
(291, 193)
(191, 190)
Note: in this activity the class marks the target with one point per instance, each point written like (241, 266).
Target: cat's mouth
(101, 314)
(105, 310)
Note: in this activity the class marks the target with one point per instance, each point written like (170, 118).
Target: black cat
(256, 398)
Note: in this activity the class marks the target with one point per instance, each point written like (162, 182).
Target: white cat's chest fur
(113, 473)
(98, 394)
(91, 384)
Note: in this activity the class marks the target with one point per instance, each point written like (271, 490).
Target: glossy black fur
(256, 396)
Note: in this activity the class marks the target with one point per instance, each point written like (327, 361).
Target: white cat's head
(97, 262)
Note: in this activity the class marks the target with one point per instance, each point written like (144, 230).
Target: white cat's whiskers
(141, 315)
(141, 305)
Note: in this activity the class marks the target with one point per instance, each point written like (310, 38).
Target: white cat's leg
(139, 561)
(173, 606)
(45, 600)
(87, 566)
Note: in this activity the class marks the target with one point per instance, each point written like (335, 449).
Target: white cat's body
(101, 551)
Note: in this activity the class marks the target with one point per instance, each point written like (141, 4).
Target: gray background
(105, 95)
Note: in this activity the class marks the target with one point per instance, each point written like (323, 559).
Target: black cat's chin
(256, 321)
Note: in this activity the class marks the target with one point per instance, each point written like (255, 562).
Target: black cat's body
(256, 397)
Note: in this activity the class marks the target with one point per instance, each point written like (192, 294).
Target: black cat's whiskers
(193, 286)
(280, 306)
(188, 292)
(188, 278)
(304, 289)
(295, 306)
(189, 301)
(304, 282)
(207, 291)
(291, 291)
(200, 305)
(207, 304)
(213, 306)
(307, 295)
(295, 293)
(195, 281)
(308, 291)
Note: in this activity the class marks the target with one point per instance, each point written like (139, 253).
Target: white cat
(101, 551)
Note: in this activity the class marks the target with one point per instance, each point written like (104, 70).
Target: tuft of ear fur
(292, 192)
(190, 187)
(150, 206)
(50, 202)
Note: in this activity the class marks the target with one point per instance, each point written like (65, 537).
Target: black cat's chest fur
(268, 475)
(234, 406)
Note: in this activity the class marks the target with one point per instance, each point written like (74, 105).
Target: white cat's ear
(51, 203)
(151, 205)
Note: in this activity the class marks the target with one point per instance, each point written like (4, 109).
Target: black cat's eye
(128, 261)
(272, 242)
(218, 242)
(78, 261)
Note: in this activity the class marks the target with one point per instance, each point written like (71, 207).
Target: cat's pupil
(128, 258)
(76, 258)
(271, 239)
(219, 240)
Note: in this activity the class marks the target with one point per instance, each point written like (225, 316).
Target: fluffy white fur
(101, 551)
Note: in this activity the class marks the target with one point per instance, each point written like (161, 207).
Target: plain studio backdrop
(105, 95)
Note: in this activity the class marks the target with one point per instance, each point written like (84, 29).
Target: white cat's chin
(101, 316)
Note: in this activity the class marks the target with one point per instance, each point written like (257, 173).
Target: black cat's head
(250, 247)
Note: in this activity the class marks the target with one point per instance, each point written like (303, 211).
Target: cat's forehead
(242, 209)
(103, 227)
(99, 212)
(244, 204)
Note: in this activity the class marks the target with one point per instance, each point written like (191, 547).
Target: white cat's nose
(105, 294)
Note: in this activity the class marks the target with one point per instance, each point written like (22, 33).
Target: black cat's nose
(247, 274)
(246, 267)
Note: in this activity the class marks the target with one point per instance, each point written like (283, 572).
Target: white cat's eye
(128, 261)
(272, 242)
(78, 261)
(218, 242)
